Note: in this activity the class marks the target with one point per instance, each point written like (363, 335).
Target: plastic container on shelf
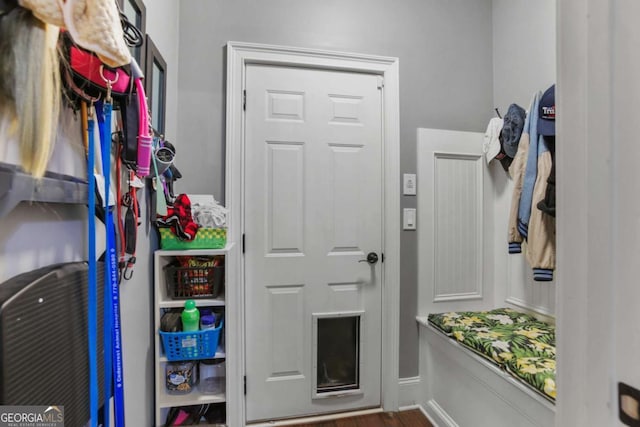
(207, 321)
(190, 317)
(212, 376)
(180, 377)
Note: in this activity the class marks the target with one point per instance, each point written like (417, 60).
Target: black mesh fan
(43, 336)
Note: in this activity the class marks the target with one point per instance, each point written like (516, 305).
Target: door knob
(372, 258)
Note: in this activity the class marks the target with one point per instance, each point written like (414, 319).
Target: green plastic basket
(207, 238)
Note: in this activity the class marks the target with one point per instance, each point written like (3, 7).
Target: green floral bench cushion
(517, 342)
(539, 372)
(446, 322)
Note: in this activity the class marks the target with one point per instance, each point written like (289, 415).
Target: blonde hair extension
(36, 86)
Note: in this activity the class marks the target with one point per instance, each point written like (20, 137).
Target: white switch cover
(409, 184)
(409, 221)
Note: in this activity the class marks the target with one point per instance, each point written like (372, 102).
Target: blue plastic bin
(191, 345)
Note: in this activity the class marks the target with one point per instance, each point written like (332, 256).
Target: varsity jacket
(530, 183)
(517, 172)
(541, 243)
(531, 171)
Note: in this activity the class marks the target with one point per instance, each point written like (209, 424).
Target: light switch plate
(409, 219)
(409, 184)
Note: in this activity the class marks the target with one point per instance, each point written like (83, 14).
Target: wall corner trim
(408, 393)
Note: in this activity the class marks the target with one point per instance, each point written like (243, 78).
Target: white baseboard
(437, 415)
(409, 393)
(427, 415)
(315, 419)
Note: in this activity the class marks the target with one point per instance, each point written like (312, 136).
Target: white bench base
(460, 388)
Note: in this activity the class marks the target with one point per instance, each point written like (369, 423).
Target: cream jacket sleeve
(541, 243)
(516, 170)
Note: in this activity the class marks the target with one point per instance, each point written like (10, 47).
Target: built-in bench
(493, 368)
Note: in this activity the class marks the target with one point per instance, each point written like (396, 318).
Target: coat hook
(498, 112)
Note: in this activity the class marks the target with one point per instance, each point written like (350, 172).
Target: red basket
(194, 282)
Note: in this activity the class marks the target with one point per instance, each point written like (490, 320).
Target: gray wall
(524, 50)
(446, 81)
(137, 294)
(524, 61)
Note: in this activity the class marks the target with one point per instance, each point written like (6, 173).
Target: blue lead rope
(104, 120)
(112, 331)
(93, 282)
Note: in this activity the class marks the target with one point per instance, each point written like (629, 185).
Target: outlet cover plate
(629, 405)
(409, 184)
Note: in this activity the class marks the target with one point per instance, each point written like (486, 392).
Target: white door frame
(238, 56)
(592, 47)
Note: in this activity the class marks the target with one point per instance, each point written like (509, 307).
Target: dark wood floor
(412, 418)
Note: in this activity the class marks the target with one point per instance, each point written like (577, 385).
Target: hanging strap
(85, 134)
(93, 281)
(112, 333)
(131, 228)
(119, 204)
(145, 139)
(128, 226)
(104, 122)
(161, 201)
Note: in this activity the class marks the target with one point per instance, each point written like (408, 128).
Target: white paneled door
(313, 212)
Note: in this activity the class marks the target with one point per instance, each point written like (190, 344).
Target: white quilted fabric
(45, 10)
(93, 24)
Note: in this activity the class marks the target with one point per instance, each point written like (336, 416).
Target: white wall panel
(455, 260)
(523, 292)
(462, 232)
(457, 226)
